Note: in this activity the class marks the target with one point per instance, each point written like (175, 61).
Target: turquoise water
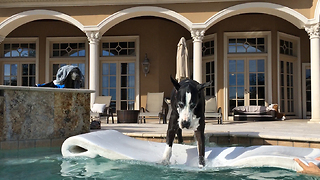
(47, 164)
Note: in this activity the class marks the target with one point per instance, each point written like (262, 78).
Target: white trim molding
(22, 40)
(297, 71)
(128, 13)
(305, 66)
(259, 7)
(226, 56)
(17, 20)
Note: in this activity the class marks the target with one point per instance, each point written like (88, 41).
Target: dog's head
(189, 96)
(75, 74)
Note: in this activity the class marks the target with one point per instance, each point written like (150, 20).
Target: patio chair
(153, 107)
(101, 107)
(211, 110)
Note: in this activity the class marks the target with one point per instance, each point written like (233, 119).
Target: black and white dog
(188, 106)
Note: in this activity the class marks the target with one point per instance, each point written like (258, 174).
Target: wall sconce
(146, 65)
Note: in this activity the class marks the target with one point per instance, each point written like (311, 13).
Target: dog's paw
(165, 162)
(202, 162)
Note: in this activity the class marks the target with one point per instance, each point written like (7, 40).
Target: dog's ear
(175, 83)
(201, 86)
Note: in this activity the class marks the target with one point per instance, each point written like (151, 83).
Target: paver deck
(289, 130)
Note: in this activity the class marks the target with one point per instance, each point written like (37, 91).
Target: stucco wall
(195, 12)
(43, 29)
(158, 38)
(257, 22)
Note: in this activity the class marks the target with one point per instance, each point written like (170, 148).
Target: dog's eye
(181, 105)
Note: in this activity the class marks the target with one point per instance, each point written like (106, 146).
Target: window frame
(20, 60)
(122, 59)
(50, 60)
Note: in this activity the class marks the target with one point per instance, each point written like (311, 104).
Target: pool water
(48, 163)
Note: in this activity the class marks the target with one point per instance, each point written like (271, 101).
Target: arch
(260, 7)
(19, 19)
(125, 14)
(316, 17)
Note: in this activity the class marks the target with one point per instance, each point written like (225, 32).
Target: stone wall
(33, 114)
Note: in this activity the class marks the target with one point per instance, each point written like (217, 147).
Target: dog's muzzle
(185, 124)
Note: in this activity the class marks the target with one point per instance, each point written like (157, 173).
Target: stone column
(314, 33)
(94, 39)
(197, 35)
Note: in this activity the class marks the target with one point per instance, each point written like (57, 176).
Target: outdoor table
(128, 116)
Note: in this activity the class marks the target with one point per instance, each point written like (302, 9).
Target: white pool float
(112, 144)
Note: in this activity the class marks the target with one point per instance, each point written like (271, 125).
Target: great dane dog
(188, 106)
(68, 76)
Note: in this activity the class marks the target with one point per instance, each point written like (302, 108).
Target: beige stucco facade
(156, 28)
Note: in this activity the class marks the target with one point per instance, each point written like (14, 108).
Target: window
(208, 64)
(67, 51)
(18, 61)
(118, 72)
(287, 87)
(289, 64)
(118, 49)
(208, 48)
(209, 76)
(20, 50)
(246, 45)
(286, 47)
(28, 74)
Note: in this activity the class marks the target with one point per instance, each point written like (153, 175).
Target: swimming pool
(48, 163)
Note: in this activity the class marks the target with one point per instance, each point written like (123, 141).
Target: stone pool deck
(295, 132)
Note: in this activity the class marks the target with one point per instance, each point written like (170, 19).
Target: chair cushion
(252, 109)
(211, 105)
(98, 108)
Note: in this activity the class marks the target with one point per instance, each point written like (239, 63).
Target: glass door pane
(209, 76)
(287, 87)
(246, 82)
(236, 83)
(109, 82)
(308, 91)
(10, 75)
(28, 74)
(256, 82)
(127, 86)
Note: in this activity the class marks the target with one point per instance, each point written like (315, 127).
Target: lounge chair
(211, 110)
(153, 107)
(101, 107)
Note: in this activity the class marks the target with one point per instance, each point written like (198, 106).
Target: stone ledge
(26, 88)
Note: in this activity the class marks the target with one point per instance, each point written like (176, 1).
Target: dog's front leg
(168, 151)
(171, 133)
(199, 133)
(179, 135)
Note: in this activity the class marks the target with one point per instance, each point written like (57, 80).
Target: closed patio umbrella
(182, 60)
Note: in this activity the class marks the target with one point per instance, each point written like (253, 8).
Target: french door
(118, 81)
(246, 82)
(306, 89)
(19, 73)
